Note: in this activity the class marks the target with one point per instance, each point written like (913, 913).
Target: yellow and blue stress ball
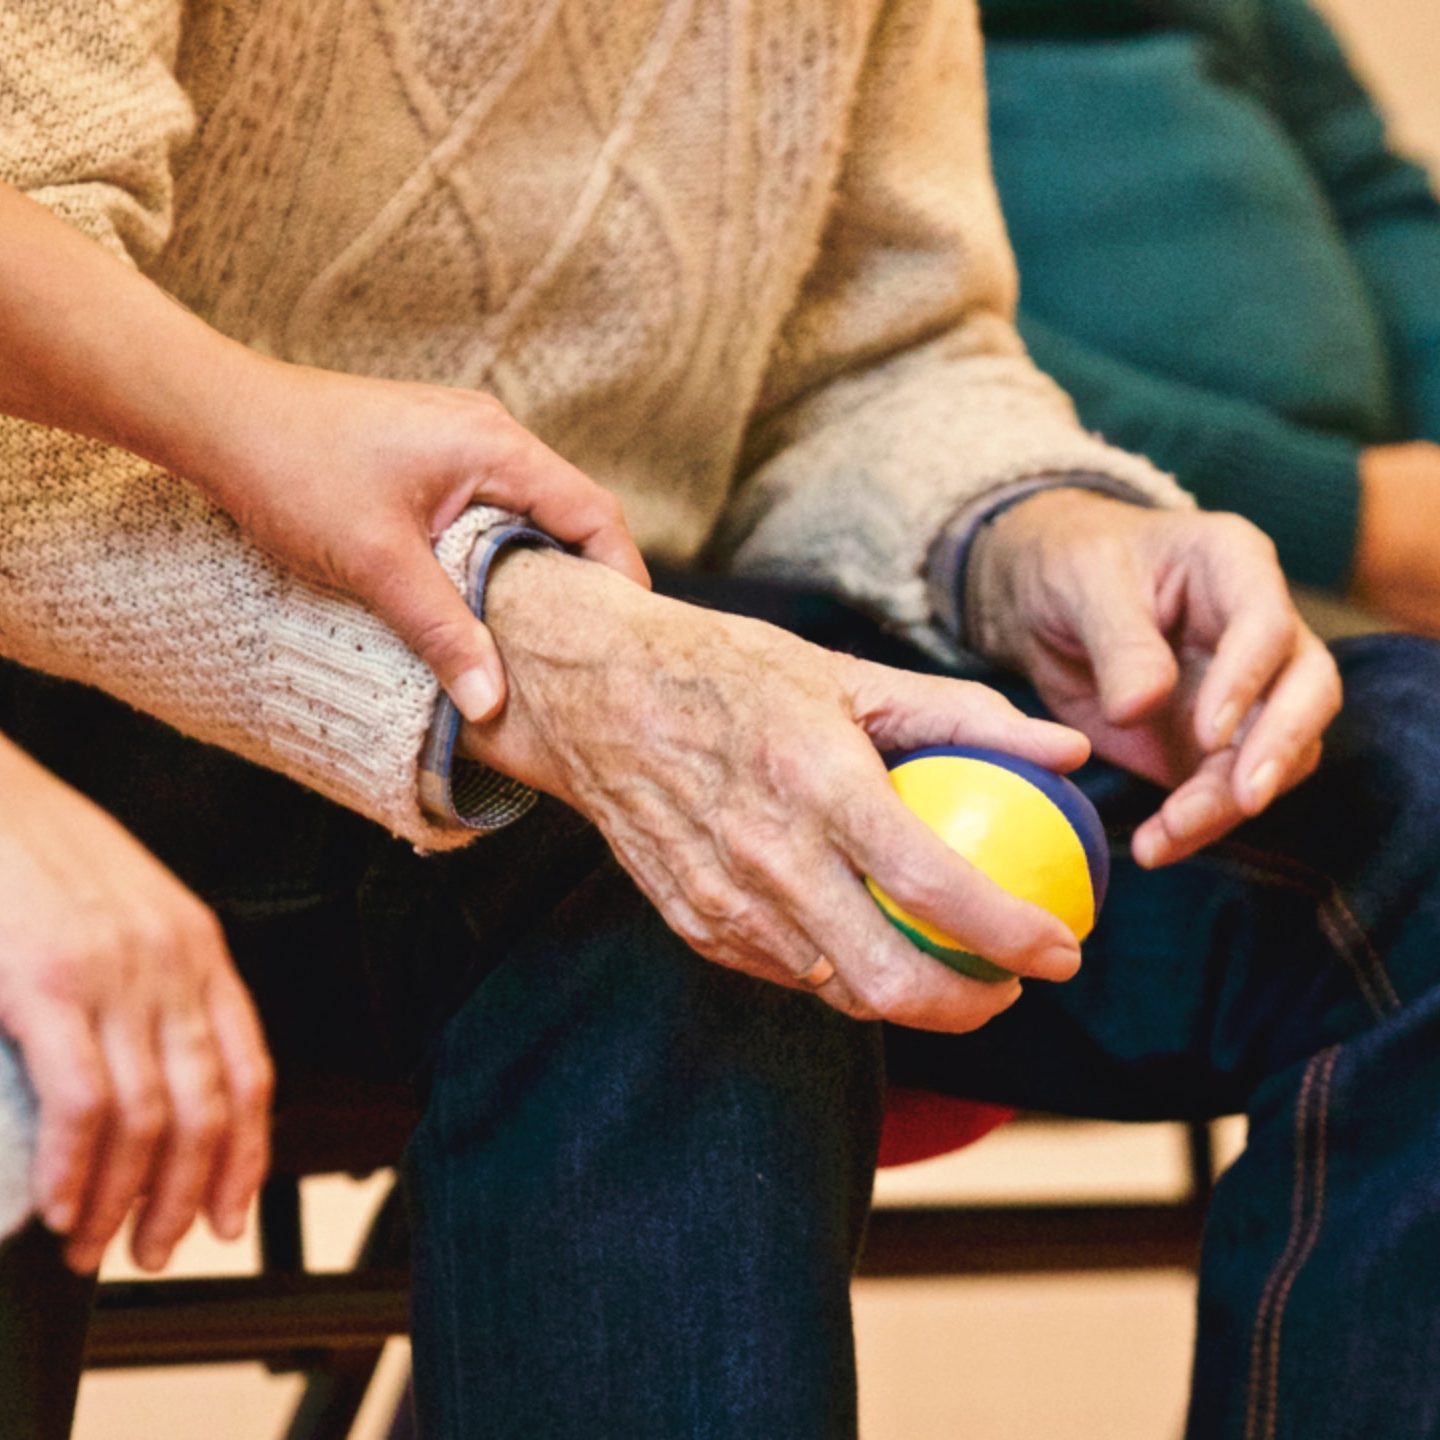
(1030, 830)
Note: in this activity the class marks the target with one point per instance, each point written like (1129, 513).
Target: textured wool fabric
(742, 263)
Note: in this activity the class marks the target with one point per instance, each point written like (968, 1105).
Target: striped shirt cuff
(948, 562)
(453, 790)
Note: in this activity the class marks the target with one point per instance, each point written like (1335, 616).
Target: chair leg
(404, 1426)
(44, 1311)
(337, 1388)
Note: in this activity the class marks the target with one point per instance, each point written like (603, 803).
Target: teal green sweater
(1220, 257)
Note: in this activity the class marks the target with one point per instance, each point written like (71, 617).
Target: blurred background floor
(998, 1358)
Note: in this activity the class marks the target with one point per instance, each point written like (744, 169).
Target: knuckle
(710, 894)
(886, 993)
(143, 1119)
(83, 1105)
(64, 974)
(371, 558)
(201, 928)
(755, 854)
(852, 1005)
(917, 887)
(204, 1120)
(254, 1083)
(488, 405)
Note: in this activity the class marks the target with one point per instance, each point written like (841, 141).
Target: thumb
(419, 601)
(1134, 667)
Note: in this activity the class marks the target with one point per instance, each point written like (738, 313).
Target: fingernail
(232, 1225)
(1063, 958)
(84, 1261)
(474, 694)
(1146, 848)
(1264, 779)
(60, 1216)
(153, 1257)
(1223, 726)
(1192, 813)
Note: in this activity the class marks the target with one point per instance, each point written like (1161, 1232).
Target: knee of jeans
(1391, 716)
(1372, 817)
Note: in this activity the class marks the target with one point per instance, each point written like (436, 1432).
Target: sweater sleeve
(1301, 486)
(113, 572)
(899, 391)
(1386, 204)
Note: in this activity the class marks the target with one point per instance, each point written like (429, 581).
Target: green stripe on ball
(975, 966)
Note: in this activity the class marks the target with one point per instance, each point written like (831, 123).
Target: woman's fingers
(138, 1122)
(405, 585)
(187, 1152)
(523, 474)
(249, 1079)
(72, 1082)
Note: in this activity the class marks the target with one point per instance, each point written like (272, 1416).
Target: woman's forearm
(88, 344)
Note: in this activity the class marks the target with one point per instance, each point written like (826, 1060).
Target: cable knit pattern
(741, 261)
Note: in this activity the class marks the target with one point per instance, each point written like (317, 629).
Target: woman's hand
(139, 1038)
(349, 481)
(345, 480)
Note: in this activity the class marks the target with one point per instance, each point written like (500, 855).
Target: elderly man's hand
(139, 1038)
(1169, 638)
(734, 771)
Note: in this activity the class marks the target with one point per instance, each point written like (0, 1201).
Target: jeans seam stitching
(1337, 921)
(1297, 1209)
(1312, 1238)
(1311, 1120)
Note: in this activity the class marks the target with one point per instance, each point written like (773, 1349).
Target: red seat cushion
(920, 1124)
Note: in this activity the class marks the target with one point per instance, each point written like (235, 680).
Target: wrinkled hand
(348, 481)
(140, 1040)
(1397, 555)
(1167, 637)
(734, 771)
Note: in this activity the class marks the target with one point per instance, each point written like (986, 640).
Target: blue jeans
(641, 1181)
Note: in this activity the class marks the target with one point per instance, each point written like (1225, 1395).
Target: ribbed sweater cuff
(353, 706)
(1301, 489)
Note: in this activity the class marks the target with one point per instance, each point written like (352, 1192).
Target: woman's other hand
(140, 1040)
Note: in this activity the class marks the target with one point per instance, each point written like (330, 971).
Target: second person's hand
(1170, 639)
(138, 1035)
(349, 481)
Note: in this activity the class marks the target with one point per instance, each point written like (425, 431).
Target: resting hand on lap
(139, 1038)
(1169, 638)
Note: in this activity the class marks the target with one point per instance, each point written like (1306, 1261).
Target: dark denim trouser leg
(44, 1309)
(1293, 974)
(639, 1182)
(639, 1189)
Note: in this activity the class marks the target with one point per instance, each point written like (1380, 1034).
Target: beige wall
(1397, 45)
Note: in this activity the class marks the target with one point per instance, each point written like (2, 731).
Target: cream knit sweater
(741, 260)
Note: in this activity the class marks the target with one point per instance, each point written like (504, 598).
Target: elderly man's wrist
(950, 563)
